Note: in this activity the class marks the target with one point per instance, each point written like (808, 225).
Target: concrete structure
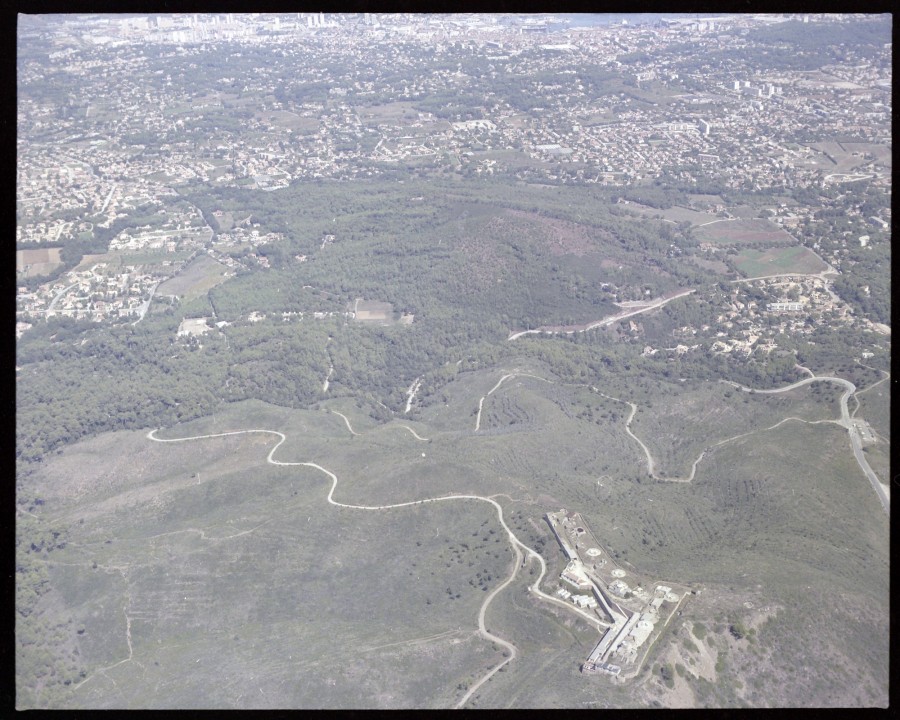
(785, 307)
(584, 601)
(574, 575)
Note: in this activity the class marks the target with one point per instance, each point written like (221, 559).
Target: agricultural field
(675, 214)
(739, 232)
(289, 120)
(388, 114)
(779, 260)
(196, 279)
(749, 212)
(706, 201)
(845, 157)
(879, 152)
(209, 567)
(39, 261)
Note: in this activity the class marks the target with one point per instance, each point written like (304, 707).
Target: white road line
(346, 421)
(518, 545)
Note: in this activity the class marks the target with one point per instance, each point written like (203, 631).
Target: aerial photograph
(433, 361)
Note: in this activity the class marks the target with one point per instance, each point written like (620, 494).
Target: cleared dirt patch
(38, 261)
(374, 311)
(88, 260)
(193, 326)
(681, 695)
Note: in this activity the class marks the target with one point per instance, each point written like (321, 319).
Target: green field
(772, 261)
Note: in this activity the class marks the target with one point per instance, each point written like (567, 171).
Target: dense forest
(471, 262)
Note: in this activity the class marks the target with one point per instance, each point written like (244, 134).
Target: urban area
(104, 159)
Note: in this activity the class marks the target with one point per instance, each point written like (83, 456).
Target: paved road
(108, 198)
(605, 321)
(855, 440)
(146, 305)
(821, 275)
(55, 300)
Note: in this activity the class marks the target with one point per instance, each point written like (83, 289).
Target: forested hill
(466, 261)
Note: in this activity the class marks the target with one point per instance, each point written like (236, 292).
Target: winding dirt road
(405, 427)
(845, 421)
(518, 546)
(499, 383)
